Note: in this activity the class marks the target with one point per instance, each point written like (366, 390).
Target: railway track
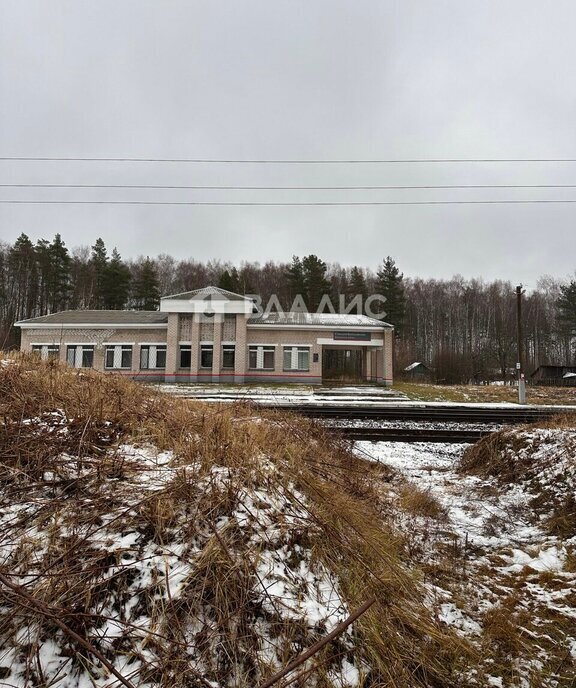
(453, 414)
(410, 434)
(491, 417)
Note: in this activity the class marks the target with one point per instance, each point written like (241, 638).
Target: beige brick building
(211, 335)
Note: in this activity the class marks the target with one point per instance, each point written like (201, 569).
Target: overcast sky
(296, 79)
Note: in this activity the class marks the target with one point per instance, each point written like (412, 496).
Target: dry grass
(420, 503)
(60, 453)
(486, 393)
(543, 457)
(534, 611)
(497, 455)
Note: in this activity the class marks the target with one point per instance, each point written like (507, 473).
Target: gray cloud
(296, 79)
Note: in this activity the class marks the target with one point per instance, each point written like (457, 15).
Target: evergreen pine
(316, 284)
(357, 285)
(295, 279)
(390, 284)
(146, 289)
(59, 277)
(230, 281)
(22, 278)
(98, 265)
(116, 283)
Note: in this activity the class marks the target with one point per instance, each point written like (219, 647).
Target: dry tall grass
(60, 436)
(532, 623)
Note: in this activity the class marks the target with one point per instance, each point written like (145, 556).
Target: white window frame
(228, 347)
(79, 353)
(45, 349)
(184, 346)
(152, 355)
(294, 350)
(118, 350)
(206, 346)
(260, 348)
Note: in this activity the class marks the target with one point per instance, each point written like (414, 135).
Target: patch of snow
(499, 537)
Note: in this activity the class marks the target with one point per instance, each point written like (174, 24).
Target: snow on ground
(146, 556)
(409, 424)
(286, 396)
(472, 503)
(494, 556)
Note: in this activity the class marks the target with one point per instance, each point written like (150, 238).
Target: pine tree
(295, 279)
(116, 283)
(566, 304)
(390, 283)
(59, 276)
(230, 281)
(357, 285)
(98, 265)
(22, 279)
(146, 290)
(316, 283)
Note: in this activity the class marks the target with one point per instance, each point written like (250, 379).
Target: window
(206, 355)
(80, 356)
(261, 357)
(152, 356)
(296, 358)
(228, 355)
(118, 356)
(185, 356)
(47, 351)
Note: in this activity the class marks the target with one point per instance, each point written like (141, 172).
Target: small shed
(418, 372)
(552, 374)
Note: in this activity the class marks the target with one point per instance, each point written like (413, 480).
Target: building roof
(415, 365)
(208, 292)
(85, 317)
(318, 319)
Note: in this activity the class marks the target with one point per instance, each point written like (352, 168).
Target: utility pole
(519, 366)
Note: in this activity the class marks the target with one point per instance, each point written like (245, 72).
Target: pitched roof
(414, 365)
(85, 317)
(208, 292)
(322, 319)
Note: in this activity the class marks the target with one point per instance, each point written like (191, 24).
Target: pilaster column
(172, 338)
(217, 347)
(368, 359)
(241, 353)
(387, 362)
(195, 348)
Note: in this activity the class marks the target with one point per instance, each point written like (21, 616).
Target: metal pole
(519, 366)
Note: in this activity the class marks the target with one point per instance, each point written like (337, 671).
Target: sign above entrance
(352, 336)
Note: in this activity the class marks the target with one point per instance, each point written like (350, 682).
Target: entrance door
(342, 365)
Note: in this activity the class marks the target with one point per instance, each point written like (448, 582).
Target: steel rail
(409, 434)
(455, 414)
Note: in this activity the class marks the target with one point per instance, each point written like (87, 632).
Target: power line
(313, 203)
(287, 188)
(216, 161)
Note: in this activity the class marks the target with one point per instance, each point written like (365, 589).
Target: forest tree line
(462, 328)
